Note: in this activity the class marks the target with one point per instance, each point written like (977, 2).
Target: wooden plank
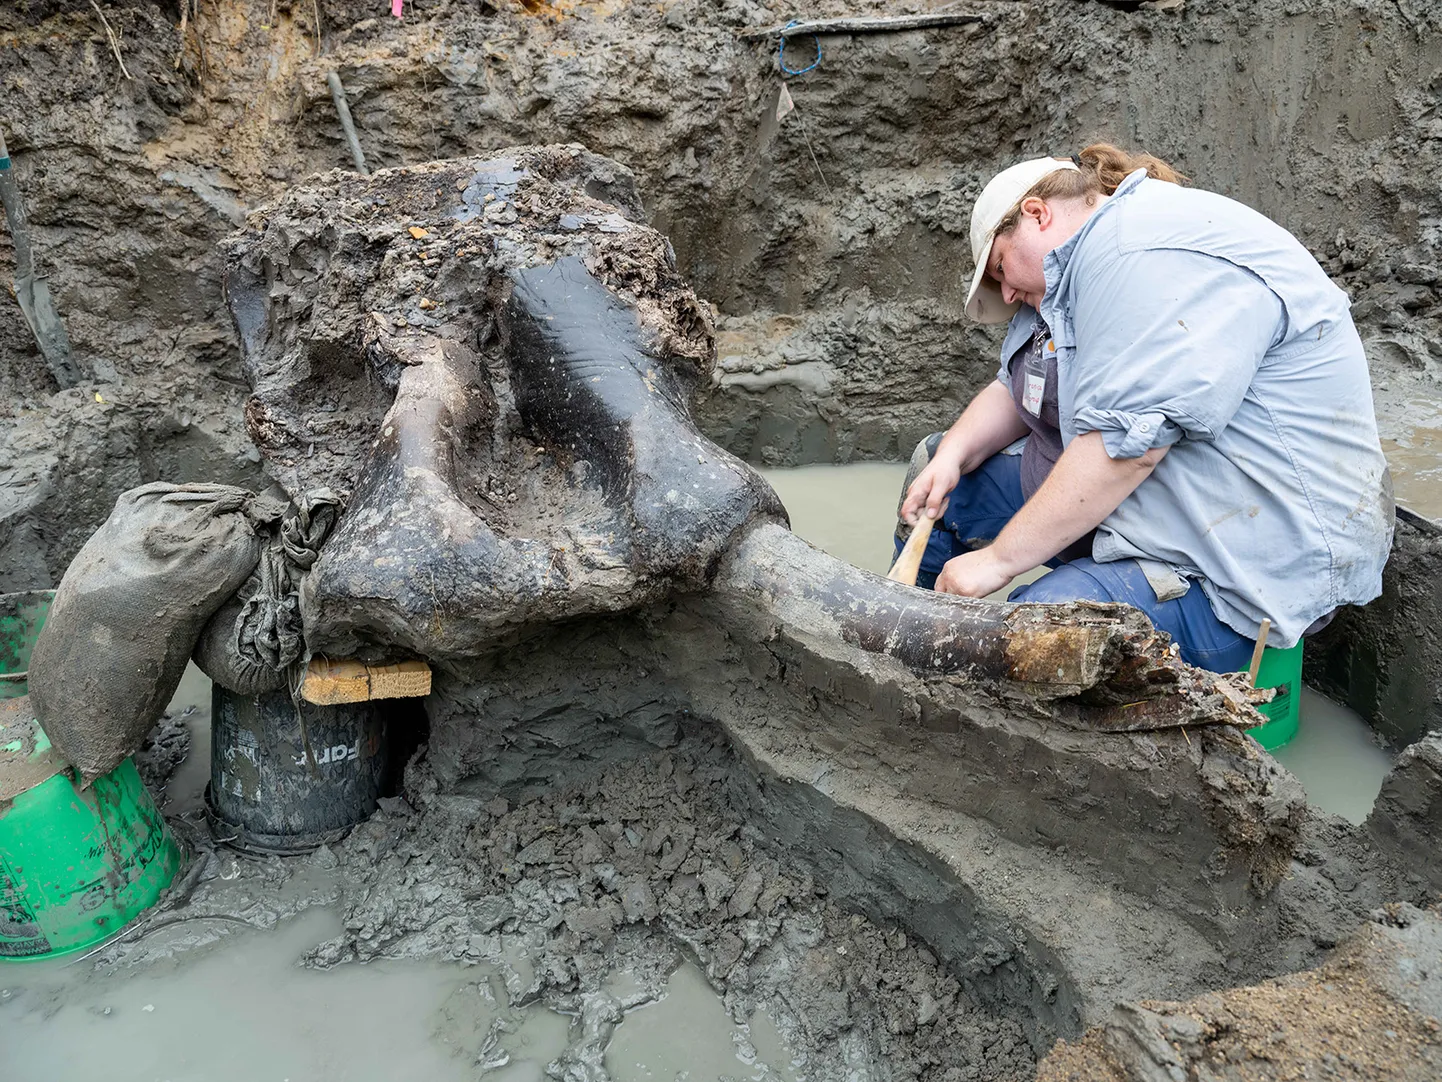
(406, 680)
(885, 25)
(330, 683)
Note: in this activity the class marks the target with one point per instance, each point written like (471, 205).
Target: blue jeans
(982, 504)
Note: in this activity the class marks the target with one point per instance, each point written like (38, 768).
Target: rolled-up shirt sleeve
(1129, 435)
(1168, 342)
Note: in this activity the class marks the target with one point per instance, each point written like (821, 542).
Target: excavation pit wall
(838, 280)
(1024, 890)
(840, 338)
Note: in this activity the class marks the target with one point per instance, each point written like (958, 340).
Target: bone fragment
(1097, 667)
(342, 107)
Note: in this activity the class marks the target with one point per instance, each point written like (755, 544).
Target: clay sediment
(931, 838)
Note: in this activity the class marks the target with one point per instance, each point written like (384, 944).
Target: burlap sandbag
(129, 610)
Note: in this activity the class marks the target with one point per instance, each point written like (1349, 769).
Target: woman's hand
(987, 425)
(927, 494)
(974, 574)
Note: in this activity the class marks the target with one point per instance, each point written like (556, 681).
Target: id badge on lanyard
(1031, 393)
(1034, 376)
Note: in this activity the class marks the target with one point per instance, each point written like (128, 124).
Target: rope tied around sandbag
(307, 525)
(267, 634)
(251, 645)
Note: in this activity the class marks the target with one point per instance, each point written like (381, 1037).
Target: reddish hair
(1101, 168)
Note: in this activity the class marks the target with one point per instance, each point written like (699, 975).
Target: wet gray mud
(904, 875)
(583, 861)
(640, 888)
(647, 862)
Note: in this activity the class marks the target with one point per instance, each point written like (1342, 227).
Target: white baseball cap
(1002, 192)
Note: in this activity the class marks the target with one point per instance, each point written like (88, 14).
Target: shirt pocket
(1063, 335)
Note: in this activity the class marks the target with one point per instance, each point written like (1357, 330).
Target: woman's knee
(920, 458)
(1204, 640)
(1069, 582)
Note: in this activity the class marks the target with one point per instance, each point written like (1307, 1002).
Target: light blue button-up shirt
(1185, 319)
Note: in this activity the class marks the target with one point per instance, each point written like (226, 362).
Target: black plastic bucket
(287, 776)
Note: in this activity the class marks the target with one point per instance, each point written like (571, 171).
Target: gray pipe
(31, 291)
(343, 108)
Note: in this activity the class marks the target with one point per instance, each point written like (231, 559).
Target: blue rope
(781, 54)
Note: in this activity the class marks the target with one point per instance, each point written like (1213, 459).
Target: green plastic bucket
(1280, 669)
(75, 866)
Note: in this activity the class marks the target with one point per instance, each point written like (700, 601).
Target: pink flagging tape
(396, 7)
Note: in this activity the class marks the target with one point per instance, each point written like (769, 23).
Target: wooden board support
(329, 683)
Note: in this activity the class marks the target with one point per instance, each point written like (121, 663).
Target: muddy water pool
(242, 1010)
(688, 1034)
(1411, 431)
(850, 512)
(239, 1007)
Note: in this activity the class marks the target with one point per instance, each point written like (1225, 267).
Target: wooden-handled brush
(905, 569)
(1256, 664)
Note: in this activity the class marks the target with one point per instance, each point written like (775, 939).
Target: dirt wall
(832, 242)
(1384, 660)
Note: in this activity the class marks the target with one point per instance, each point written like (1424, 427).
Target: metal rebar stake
(32, 291)
(343, 108)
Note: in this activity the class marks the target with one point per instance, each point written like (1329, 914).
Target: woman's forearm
(1084, 487)
(984, 428)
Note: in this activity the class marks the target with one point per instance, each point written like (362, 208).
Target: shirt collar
(1055, 264)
